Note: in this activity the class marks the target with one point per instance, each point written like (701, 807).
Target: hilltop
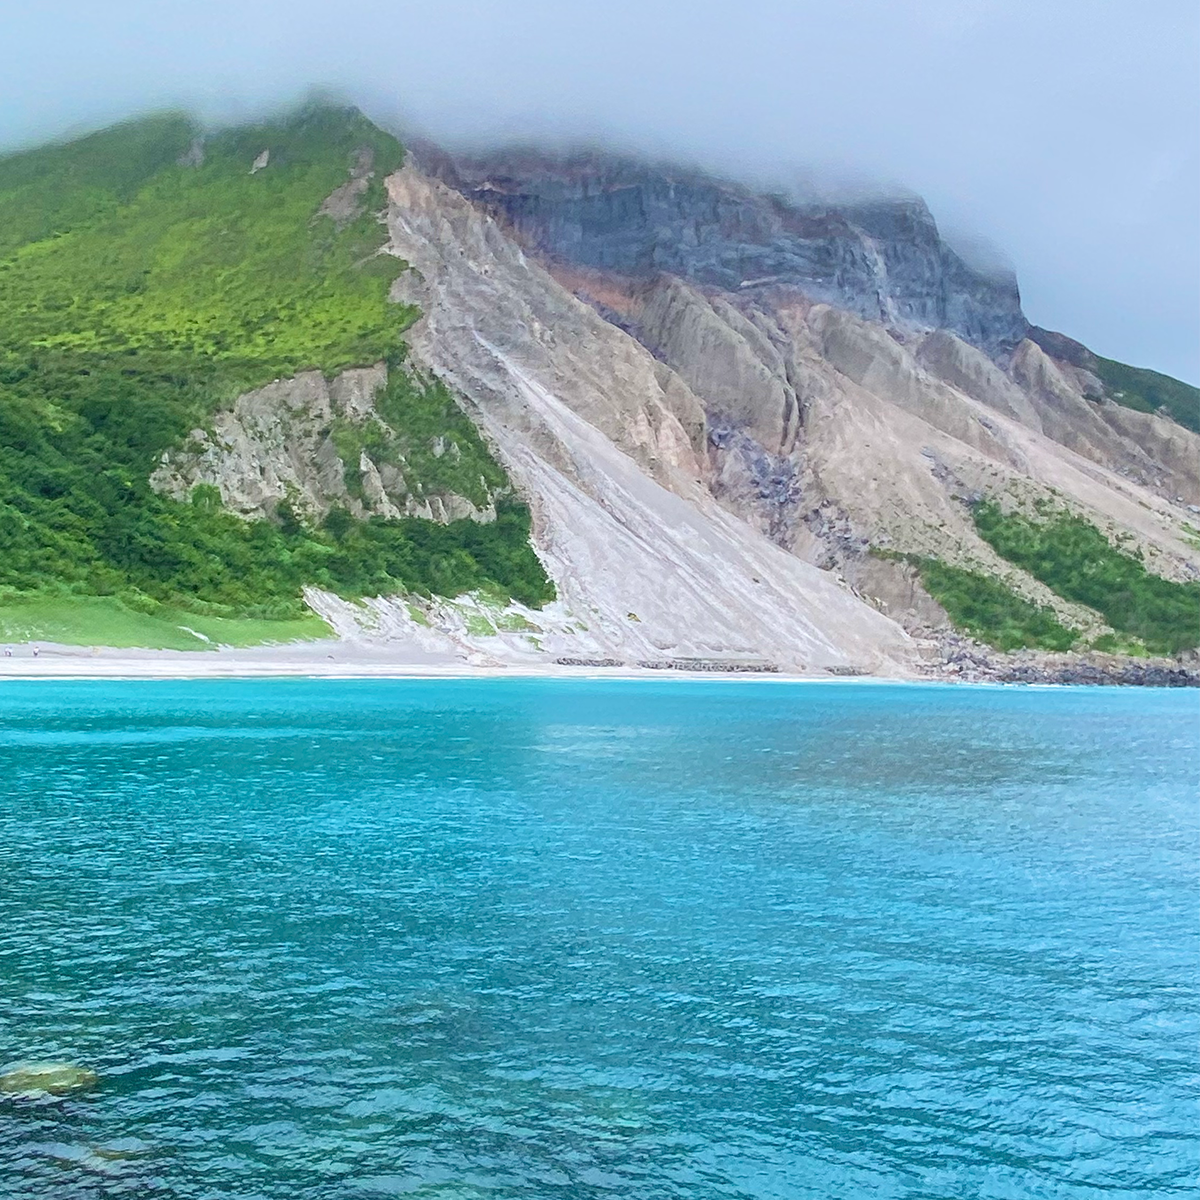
(149, 275)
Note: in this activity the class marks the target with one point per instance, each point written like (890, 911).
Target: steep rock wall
(277, 444)
(884, 261)
(609, 445)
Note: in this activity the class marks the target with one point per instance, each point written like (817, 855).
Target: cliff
(883, 260)
(864, 391)
(526, 408)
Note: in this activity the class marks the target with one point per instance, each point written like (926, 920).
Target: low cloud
(1061, 135)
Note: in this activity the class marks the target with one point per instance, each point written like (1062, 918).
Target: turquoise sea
(568, 939)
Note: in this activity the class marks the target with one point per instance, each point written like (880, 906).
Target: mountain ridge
(718, 464)
(882, 258)
(617, 213)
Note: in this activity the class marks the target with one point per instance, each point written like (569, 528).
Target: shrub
(1076, 561)
(990, 611)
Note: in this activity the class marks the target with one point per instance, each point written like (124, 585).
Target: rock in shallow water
(36, 1079)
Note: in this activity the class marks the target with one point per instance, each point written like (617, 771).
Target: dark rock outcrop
(971, 663)
(1065, 349)
(884, 260)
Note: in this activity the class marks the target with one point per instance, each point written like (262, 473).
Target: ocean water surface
(568, 939)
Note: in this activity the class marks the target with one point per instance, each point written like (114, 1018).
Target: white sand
(331, 659)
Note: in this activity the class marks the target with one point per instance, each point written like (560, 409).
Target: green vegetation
(143, 285)
(1076, 561)
(426, 435)
(206, 262)
(369, 558)
(106, 621)
(1148, 391)
(989, 610)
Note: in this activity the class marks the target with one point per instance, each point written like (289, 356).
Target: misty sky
(1066, 133)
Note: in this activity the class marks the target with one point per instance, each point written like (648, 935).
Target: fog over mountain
(1060, 138)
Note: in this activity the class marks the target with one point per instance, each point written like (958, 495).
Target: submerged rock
(35, 1079)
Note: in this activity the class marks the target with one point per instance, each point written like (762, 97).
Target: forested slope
(148, 276)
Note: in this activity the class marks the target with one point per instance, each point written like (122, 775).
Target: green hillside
(1134, 387)
(148, 276)
(1076, 561)
(1150, 391)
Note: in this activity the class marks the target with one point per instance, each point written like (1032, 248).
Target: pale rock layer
(275, 445)
(609, 446)
(895, 439)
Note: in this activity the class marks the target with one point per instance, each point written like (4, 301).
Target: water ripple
(358, 940)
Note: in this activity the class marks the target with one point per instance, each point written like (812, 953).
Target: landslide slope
(204, 405)
(874, 405)
(610, 447)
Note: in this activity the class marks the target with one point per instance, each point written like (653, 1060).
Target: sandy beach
(331, 659)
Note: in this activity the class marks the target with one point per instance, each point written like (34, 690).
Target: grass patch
(378, 557)
(511, 622)
(1076, 561)
(1112, 643)
(1148, 391)
(144, 286)
(107, 621)
(990, 611)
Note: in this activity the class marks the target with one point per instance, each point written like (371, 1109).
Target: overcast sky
(1066, 133)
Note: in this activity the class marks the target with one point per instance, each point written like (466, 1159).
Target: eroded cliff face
(861, 384)
(614, 228)
(867, 400)
(279, 445)
(884, 260)
(633, 418)
(610, 447)
(720, 410)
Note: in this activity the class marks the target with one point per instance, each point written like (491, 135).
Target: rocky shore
(969, 663)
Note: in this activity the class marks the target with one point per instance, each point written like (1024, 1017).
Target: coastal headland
(291, 397)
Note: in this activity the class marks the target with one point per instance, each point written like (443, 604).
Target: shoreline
(354, 661)
(240, 664)
(348, 660)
